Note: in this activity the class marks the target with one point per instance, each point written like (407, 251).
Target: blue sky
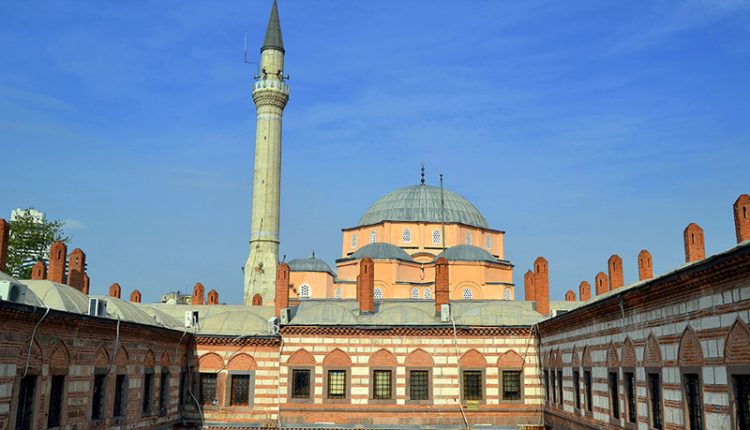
(582, 129)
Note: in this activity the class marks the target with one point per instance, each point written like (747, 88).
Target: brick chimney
(584, 291)
(741, 219)
(570, 296)
(39, 271)
(4, 240)
(135, 296)
(616, 279)
(281, 299)
(602, 283)
(442, 281)
(76, 267)
(198, 294)
(695, 248)
(645, 265)
(366, 286)
(114, 290)
(213, 297)
(528, 286)
(57, 255)
(86, 283)
(541, 285)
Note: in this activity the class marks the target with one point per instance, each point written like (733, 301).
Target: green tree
(31, 236)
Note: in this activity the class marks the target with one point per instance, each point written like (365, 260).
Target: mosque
(417, 326)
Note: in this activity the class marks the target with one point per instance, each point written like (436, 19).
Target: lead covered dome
(421, 203)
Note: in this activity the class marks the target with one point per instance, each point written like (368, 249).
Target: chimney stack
(528, 286)
(135, 296)
(213, 297)
(76, 268)
(541, 285)
(584, 291)
(695, 248)
(570, 296)
(616, 278)
(56, 270)
(281, 300)
(86, 283)
(602, 283)
(198, 294)
(645, 265)
(442, 280)
(4, 240)
(366, 286)
(741, 219)
(115, 290)
(39, 271)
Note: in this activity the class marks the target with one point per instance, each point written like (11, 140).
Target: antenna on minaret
(246, 60)
(422, 180)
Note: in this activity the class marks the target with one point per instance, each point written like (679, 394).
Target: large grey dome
(422, 203)
(381, 251)
(311, 264)
(467, 253)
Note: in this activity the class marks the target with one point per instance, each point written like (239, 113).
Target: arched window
(415, 293)
(354, 240)
(427, 293)
(304, 291)
(436, 236)
(378, 294)
(506, 295)
(468, 238)
(406, 235)
(373, 236)
(467, 294)
(338, 292)
(488, 241)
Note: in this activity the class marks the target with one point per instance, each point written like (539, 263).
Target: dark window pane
(301, 384)
(148, 384)
(546, 385)
(654, 391)
(614, 397)
(742, 397)
(553, 386)
(240, 390)
(419, 385)
(97, 400)
(559, 387)
(693, 394)
(511, 385)
(55, 401)
(382, 389)
(163, 393)
(121, 396)
(183, 388)
(587, 387)
(630, 393)
(208, 388)
(577, 388)
(25, 402)
(336, 384)
(473, 385)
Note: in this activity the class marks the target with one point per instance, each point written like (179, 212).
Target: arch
(210, 361)
(652, 353)
(557, 362)
(338, 293)
(690, 352)
(510, 359)
(472, 358)
(377, 293)
(165, 360)
(507, 294)
(419, 358)
(628, 353)
(737, 344)
(427, 294)
(148, 359)
(415, 293)
(123, 358)
(35, 361)
(257, 300)
(383, 358)
(101, 357)
(586, 356)
(459, 292)
(301, 358)
(305, 291)
(242, 361)
(613, 360)
(406, 235)
(575, 360)
(337, 358)
(60, 356)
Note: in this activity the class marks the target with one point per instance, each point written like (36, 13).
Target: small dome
(381, 251)
(467, 253)
(311, 264)
(421, 203)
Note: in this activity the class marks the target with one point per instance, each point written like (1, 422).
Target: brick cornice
(404, 331)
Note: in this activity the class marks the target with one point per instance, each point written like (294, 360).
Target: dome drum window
(467, 294)
(468, 238)
(488, 241)
(354, 240)
(373, 236)
(338, 292)
(378, 294)
(415, 293)
(427, 294)
(406, 235)
(304, 291)
(436, 237)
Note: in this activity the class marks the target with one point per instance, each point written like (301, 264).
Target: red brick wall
(198, 294)
(115, 290)
(4, 238)
(695, 248)
(616, 278)
(135, 296)
(584, 291)
(570, 296)
(602, 283)
(741, 218)
(76, 268)
(645, 265)
(281, 300)
(39, 271)
(366, 286)
(442, 284)
(57, 255)
(528, 286)
(541, 285)
(213, 297)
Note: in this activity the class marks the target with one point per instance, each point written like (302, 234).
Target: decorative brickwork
(695, 248)
(442, 284)
(76, 268)
(528, 286)
(198, 294)
(584, 291)
(337, 358)
(213, 297)
(616, 279)
(541, 285)
(737, 344)
(383, 358)
(39, 271)
(135, 296)
(628, 353)
(242, 361)
(4, 240)
(211, 361)
(281, 296)
(741, 218)
(612, 359)
(570, 296)
(301, 358)
(510, 359)
(57, 256)
(366, 286)
(652, 354)
(602, 283)
(472, 358)
(690, 353)
(419, 358)
(645, 265)
(115, 290)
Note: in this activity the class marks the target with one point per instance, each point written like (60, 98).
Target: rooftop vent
(97, 307)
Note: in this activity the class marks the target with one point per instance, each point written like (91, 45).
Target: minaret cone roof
(273, 31)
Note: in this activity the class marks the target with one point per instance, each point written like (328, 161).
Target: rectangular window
(183, 388)
(25, 402)
(337, 384)
(301, 383)
(56, 394)
(208, 388)
(559, 387)
(148, 385)
(654, 391)
(553, 386)
(577, 388)
(742, 398)
(473, 385)
(630, 396)
(97, 400)
(382, 389)
(587, 387)
(419, 385)
(614, 397)
(163, 393)
(546, 385)
(694, 404)
(240, 390)
(511, 385)
(121, 396)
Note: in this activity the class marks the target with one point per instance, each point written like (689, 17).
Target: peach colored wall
(320, 283)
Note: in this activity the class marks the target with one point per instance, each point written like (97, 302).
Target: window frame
(309, 291)
(626, 410)
(164, 382)
(588, 392)
(61, 420)
(392, 399)
(734, 372)
(123, 395)
(501, 384)
(16, 400)
(102, 374)
(347, 384)
(649, 405)
(354, 240)
(698, 373)
(436, 235)
(576, 389)
(430, 398)
(414, 296)
(406, 235)
(483, 379)
(147, 407)
(373, 236)
(290, 385)
(201, 400)
(614, 393)
(228, 398)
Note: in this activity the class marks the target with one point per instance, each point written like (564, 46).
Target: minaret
(270, 94)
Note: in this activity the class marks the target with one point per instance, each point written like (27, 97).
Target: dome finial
(422, 180)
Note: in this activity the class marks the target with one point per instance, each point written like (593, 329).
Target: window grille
(354, 241)
(654, 388)
(97, 402)
(208, 388)
(587, 387)
(427, 293)
(473, 385)
(511, 385)
(467, 294)
(577, 388)
(304, 291)
(506, 294)
(614, 396)
(25, 403)
(336, 384)
(695, 409)
(55, 401)
(163, 393)
(553, 386)
(418, 385)
(300, 383)
(382, 389)
(406, 235)
(559, 387)
(121, 396)
(415, 293)
(373, 236)
(468, 238)
(240, 390)
(435, 236)
(488, 241)
(148, 384)
(630, 396)
(338, 292)
(378, 294)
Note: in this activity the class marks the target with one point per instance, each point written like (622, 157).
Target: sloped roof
(311, 264)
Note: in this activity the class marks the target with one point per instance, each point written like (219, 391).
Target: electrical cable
(458, 368)
(278, 383)
(31, 341)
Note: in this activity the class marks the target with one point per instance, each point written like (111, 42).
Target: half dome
(467, 253)
(381, 251)
(311, 264)
(421, 203)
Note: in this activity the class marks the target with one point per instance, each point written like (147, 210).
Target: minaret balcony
(272, 84)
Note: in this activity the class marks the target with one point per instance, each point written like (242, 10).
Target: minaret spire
(273, 31)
